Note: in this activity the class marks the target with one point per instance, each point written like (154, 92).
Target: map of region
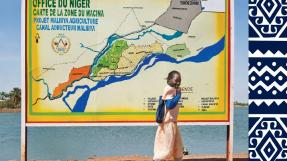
(108, 61)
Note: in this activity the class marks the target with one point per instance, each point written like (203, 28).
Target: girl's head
(174, 79)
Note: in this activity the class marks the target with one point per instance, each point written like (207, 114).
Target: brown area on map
(130, 59)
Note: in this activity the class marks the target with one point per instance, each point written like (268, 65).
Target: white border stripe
(268, 115)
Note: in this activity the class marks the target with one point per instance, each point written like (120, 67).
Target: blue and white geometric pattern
(268, 137)
(267, 19)
(267, 80)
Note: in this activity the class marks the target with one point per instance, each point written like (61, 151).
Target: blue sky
(241, 50)
(10, 67)
(10, 45)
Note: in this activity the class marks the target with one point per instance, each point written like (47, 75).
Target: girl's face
(176, 80)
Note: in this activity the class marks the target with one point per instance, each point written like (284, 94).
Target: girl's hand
(178, 90)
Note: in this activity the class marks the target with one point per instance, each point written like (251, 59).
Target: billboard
(99, 61)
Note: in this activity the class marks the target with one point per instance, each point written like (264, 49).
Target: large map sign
(105, 61)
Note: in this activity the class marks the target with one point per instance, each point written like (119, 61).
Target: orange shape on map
(75, 74)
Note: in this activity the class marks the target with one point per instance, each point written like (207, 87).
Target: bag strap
(165, 110)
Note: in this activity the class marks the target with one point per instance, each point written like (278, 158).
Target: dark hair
(170, 76)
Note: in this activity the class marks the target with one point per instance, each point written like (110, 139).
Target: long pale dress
(168, 142)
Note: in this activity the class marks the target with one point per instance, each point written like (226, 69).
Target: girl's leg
(178, 146)
(164, 142)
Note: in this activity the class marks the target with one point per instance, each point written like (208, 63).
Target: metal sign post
(230, 127)
(23, 83)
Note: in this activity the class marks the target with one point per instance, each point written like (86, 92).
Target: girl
(168, 143)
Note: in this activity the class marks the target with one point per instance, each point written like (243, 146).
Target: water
(81, 142)
(10, 136)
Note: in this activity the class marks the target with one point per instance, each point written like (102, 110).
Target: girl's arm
(171, 103)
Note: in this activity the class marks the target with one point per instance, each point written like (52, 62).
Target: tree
(3, 95)
(15, 97)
